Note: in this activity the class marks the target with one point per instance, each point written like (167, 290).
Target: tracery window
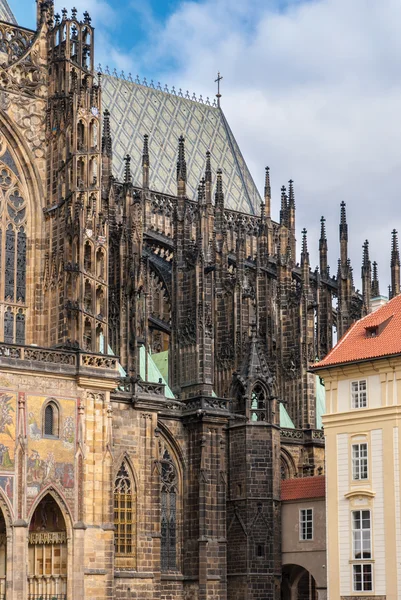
(258, 403)
(169, 487)
(13, 249)
(125, 518)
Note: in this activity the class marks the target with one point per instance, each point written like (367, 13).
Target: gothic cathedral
(156, 332)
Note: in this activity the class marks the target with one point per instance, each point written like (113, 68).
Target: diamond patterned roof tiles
(6, 13)
(375, 336)
(136, 109)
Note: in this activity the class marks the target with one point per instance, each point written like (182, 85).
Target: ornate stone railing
(207, 403)
(302, 435)
(73, 358)
(137, 386)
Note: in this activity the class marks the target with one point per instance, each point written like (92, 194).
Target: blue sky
(311, 88)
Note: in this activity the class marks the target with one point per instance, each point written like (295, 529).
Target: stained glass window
(168, 526)
(124, 518)
(10, 266)
(13, 249)
(9, 326)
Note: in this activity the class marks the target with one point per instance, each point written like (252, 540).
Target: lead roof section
(136, 109)
(6, 13)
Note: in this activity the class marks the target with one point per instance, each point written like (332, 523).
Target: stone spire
(267, 194)
(208, 179)
(375, 290)
(107, 146)
(343, 236)
(181, 168)
(323, 248)
(145, 162)
(127, 169)
(395, 264)
(366, 275)
(219, 195)
(284, 207)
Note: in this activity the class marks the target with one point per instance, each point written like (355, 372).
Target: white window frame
(305, 518)
(359, 394)
(362, 550)
(360, 461)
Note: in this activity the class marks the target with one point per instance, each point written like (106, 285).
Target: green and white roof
(136, 109)
(5, 13)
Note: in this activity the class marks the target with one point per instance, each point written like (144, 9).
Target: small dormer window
(372, 332)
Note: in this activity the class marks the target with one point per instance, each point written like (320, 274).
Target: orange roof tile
(303, 487)
(358, 343)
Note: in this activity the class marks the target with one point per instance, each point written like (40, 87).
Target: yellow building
(362, 376)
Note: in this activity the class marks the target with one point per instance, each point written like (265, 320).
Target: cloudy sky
(311, 88)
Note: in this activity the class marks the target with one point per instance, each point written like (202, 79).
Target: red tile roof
(359, 344)
(303, 487)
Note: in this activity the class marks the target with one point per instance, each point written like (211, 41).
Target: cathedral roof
(6, 13)
(137, 109)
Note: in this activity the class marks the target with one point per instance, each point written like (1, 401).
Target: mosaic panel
(50, 459)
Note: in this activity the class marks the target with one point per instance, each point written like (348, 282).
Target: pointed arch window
(125, 518)
(169, 488)
(13, 248)
(258, 403)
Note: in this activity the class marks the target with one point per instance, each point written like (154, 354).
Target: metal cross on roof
(218, 95)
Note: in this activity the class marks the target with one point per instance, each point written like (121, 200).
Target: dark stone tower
(76, 277)
(253, 507)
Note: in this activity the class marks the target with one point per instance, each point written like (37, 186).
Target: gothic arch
(176, 448)
(288, 463)
(124, 456)
(22, 164)
(58, 497)
(54, 547)
(125, 501)
(7, 510)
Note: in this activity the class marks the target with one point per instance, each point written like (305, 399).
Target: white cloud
(312, 90)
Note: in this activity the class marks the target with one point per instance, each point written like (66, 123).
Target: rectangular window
(362, 550)
(359, 461)
(306, 524)
(358, 394)
(363, 578)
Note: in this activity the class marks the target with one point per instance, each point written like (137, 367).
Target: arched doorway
(298, 584)
(47, 552)
(3, 556)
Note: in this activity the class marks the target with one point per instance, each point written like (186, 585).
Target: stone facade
(111, 485)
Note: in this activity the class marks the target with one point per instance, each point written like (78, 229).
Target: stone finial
(145, 151)
(323, 237)
(208, 169)
(375, 281)
(181, 164)
(395, 253)
(365, 257)
(127, 169)
(291, 196)
(106, 136)
(267, 183)
(219, 195)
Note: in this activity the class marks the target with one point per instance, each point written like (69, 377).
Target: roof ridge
(158, 88)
